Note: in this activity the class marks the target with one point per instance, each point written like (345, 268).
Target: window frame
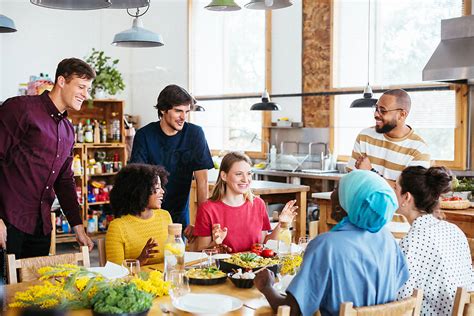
(461, 107)
(266, 115)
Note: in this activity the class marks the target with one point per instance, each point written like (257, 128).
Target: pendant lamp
(266, 104)
(223, 5)
(6, 24)
(73, 4)
(128, 4)
(367, 101)
(196, 107)
(268, 4)
(137, 36)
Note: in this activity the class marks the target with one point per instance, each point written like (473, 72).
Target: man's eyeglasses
(383, 111)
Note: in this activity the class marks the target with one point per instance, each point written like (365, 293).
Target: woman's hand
(148, 251)
(218, 234)
(288, 212)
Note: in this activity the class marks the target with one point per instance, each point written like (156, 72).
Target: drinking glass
(303, 243)
(132, 265)
(210, 253)
(179, 284)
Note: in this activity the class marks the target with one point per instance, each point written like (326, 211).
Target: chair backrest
(283, 310)
(463, 303)
(470, 242)
(410, 306)
(101, 249)
(52, 246)
(28, 267)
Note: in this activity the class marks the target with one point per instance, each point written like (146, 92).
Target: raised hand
(363, 163)
(218, 234)
(148, 251)
(288, 212)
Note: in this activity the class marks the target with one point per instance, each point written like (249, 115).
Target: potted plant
(108, 78)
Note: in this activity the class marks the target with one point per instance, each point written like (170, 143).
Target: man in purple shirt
(36, 143)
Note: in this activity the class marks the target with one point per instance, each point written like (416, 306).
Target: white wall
(46, 36)
(286, 59)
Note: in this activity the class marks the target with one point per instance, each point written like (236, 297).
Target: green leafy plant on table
(108, 77)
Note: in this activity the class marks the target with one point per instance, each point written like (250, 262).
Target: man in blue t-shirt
(180, 147)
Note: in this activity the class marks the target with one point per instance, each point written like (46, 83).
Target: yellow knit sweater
(127, 235)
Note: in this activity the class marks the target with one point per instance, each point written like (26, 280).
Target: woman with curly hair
(141, 227)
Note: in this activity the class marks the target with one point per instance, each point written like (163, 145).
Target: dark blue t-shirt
(181, 155)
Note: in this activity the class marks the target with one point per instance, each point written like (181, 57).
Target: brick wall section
(317, 22)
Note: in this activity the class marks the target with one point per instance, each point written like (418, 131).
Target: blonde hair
(226, 164)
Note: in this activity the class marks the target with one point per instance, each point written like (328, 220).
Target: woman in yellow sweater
(141, 227)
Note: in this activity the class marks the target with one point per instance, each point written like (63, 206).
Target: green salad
(121, 298)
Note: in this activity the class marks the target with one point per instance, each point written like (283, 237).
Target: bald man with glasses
(391, 145)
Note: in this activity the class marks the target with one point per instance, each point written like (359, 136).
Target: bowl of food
(249, 261)
(242, 280)
(206, 276)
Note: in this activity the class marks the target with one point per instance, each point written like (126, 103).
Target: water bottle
(273, 156)
(174, 250)
(284, 239)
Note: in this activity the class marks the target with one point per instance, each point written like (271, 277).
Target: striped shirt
(389, 156)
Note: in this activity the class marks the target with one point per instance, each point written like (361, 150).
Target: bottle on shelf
(80, 133)
(174, 249)
(284, 239)
(96, 132)
(103, 132)
(88, 134)
(273, 155)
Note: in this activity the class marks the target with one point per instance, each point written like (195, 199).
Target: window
(404, 34)
(227, 52)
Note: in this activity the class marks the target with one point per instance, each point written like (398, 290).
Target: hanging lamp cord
(368, 48)
(137, 14)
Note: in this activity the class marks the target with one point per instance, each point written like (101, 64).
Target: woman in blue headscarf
(358, 261)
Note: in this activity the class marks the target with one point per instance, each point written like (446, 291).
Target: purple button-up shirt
(36, 143)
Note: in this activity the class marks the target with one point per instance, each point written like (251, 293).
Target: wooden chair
(313, 229)
(283, 310)
(52, 247)
(463, 303)
(410, 306)
(28, 267)
(101, 249)
(470, 242)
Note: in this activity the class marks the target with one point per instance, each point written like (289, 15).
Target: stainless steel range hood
(453, 59)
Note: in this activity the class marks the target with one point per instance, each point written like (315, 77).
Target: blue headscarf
(368, 200)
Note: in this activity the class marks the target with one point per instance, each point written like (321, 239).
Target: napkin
(110, 271)
(205, 303)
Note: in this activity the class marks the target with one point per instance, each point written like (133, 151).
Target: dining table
(254, 303)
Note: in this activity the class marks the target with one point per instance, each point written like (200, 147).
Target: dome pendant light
(128, 4)
(6, 24)
(268, 4)
(137, 36)
(367, 101)
(72, 4)
(223, 5)
(266, 104)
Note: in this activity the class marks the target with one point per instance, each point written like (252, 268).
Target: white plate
(207, 303)
(110, 271)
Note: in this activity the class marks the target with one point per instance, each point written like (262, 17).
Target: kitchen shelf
(98, 203)
(104, 174)
(284, 127)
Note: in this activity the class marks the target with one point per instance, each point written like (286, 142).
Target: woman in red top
(233, 216)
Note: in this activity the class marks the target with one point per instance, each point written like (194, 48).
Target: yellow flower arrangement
(152, 283)
(60, 270)
(290, 264)
(75, 288)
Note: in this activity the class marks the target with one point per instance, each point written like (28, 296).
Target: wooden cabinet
(99, 162)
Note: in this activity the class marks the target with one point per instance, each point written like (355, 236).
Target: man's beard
(387, 127)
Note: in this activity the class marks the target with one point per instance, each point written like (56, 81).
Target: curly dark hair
(426, 185)
(133, 186)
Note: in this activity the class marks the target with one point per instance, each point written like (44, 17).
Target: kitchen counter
(464, 219)
(295, 177)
